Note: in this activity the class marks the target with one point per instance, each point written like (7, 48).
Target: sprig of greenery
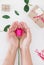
(6, 28)
(26, 1)
(6, 16)
(16, 12)
(26, 7)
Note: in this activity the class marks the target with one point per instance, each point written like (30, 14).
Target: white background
(37, 32)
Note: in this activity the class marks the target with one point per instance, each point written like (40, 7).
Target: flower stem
(19, 53)
(18, 56)
(30, 4)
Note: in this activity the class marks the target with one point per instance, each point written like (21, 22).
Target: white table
(37, 32)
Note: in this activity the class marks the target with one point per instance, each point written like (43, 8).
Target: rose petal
(19, 32)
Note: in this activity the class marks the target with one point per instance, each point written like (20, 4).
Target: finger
(19, 25)
(14, 24)
(23, 37)
(24, 25)
(27, 29)
(28, 32)
(29, 35)
(12, 34)
(13, 27)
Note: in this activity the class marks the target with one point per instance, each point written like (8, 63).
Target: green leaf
(6, 28)
(26, 1)
(6, 16)
(26, 8)
(16, 12)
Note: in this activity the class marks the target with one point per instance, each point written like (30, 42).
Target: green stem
(30, 4)
(18, 56)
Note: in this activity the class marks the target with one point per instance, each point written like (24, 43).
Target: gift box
(37, 15)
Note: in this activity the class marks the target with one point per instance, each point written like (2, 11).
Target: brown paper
(37, 18)
(5, 7)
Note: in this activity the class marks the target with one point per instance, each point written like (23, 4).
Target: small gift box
(37, 15)
(5, 7)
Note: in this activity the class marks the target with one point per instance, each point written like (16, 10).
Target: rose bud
(19, 32)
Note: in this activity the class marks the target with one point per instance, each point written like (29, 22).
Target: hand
(26, 38)
(12, 36)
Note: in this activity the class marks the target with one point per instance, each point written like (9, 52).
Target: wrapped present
(5, 7)
(37, 15)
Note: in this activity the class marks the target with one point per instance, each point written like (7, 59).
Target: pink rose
(19, 32)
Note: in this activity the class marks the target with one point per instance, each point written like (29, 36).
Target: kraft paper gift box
(37, 15)
(5, 7)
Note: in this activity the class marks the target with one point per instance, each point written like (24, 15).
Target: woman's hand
(13, 40)
(24, 46)
(26, 38)
(12, 36)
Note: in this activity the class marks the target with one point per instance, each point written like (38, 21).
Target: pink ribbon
(39, 17)
(40, 54)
